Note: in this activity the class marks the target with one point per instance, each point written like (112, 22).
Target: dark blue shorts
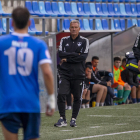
(131, 86)
(30, 122)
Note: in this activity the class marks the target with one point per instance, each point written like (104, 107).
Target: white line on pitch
(122, 124)
(100, 115)
(96, 136)
(95, 127)
(104, 123)
(111, 116)
(122, 108)
(66, 130)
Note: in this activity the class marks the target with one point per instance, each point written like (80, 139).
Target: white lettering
(20, 44)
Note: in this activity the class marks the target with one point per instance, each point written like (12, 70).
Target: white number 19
(23, 58)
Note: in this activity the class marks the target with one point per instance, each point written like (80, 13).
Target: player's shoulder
(37, 43)
(36, 40)
(5, 37)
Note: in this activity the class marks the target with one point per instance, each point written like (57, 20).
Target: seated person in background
(86, 96)
(123, 66)
(107, 80)
(123, 88)
(132, 79)
(94, 88)
(86, 92)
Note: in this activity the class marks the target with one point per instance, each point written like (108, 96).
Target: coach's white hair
(75, 21)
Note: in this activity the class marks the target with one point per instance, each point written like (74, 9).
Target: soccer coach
(73, 51)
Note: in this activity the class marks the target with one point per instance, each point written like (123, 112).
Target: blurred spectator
(123, 66)
(132, 79)
(107, 80)
(101, 93)
(86, 92)
(123, 88)
(94, 88)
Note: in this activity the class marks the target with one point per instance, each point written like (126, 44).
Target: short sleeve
(44, 55)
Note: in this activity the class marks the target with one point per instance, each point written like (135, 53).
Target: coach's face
(74, 29)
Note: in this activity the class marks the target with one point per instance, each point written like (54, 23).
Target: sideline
(88, 137)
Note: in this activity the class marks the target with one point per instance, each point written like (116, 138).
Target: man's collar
(115, 67)
(123, 67)
(94, 68)
(75, 38)
(20, 35)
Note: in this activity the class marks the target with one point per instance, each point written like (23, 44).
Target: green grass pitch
(98, 122)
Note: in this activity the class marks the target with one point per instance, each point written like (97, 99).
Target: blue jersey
(20, 55)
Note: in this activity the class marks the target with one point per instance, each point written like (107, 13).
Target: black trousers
(67, 86)
(68, 99)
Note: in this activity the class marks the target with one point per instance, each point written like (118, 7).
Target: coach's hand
(139, 65)
(49, 111)
(63, 60)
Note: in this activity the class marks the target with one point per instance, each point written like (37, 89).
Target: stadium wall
(102, 49)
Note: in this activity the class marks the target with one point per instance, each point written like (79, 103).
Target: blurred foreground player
(20, 55)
